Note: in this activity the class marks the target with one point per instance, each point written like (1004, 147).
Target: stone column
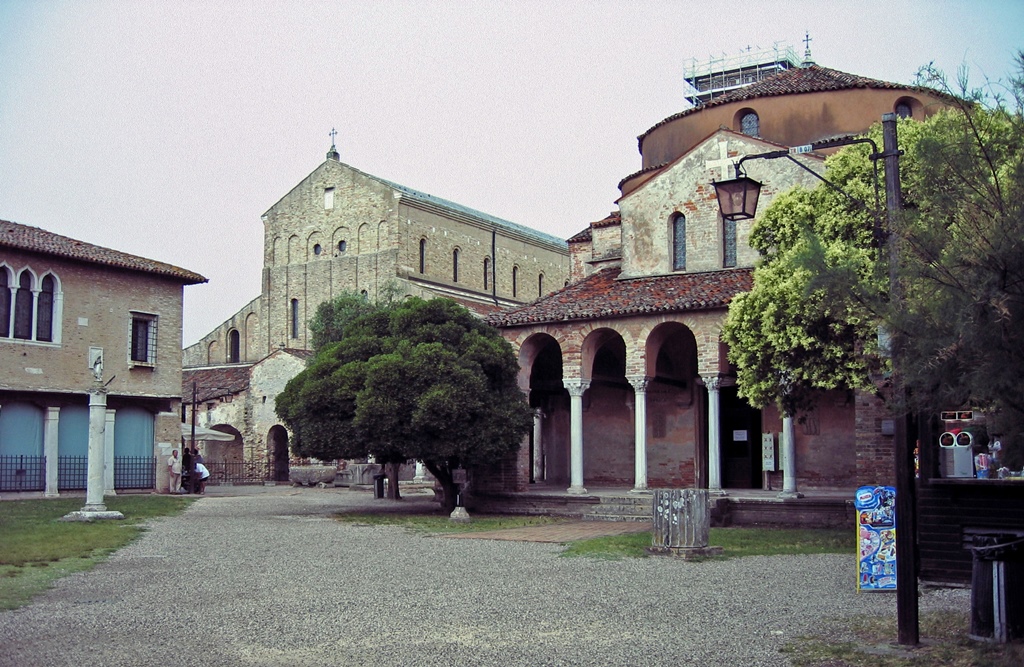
(50, 450)
(421, 470)
(714, 435)
(788, 452)
(108, 455)
(640, 383)
(538, 445)
(576, 389)
(97, 450)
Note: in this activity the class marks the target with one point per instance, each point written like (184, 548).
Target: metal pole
(906, 497)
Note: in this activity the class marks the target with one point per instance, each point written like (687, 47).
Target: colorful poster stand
(876, 538)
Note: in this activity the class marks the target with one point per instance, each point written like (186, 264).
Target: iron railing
(20, 472)
(239, 472)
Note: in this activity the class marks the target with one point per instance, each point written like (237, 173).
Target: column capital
(639, 382)
(576, 386)
(713, 382)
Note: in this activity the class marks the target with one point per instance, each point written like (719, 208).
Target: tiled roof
(810, 79)
(213, 383)
(34, 239)
(601, 295)
(613, 218)
(581, 236)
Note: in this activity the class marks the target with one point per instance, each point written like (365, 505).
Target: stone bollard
(682, 521)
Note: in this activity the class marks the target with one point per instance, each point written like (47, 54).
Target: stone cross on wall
(723, 163)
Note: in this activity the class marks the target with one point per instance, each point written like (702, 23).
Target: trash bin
(378, 485)
(997, 608)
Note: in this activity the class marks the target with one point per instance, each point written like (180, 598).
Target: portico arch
(607, 405)
(540, 376)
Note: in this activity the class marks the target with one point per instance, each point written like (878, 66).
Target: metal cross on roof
(333, 133)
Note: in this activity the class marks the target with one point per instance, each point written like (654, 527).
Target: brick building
(342, 230)
(78, 320)
(625, 368)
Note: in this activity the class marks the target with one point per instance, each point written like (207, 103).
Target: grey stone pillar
(108, 454)
(538, 445)
(576, 389)
(50, 450)
(714, 434)
(788, 451)
(640, 383)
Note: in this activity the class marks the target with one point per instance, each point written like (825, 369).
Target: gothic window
(142, 335)
(455, 265)
(23, 299)
(487, 273)
(5, 302)
(423, 255)
(540, 285)
(515, 281)
(234, 345)
(750, 124)
(295, 318)
(678, 242)
(729, 254)
(44, 310)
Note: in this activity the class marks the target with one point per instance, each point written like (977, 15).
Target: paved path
(559, 533)
(270, 579)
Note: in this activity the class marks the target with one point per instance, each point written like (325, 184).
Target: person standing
(173, 472)
(188, 470)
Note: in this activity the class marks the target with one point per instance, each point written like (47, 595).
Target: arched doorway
(218, 451)
(549, 448)
(675, 423)
(277, 448)
(608, 429)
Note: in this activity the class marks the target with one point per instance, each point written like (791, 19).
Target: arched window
(903, 110)
(540, 284)
(23, 299)
(487, 273)
(423, 255)
(5, 302)
(342, 245)
(295, 318)
(455, 265)
(729, 251)
(750, 124)
(234, 345)
(515, 281)
(44, 310)
(678, 242)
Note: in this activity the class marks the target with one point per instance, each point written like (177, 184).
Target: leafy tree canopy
(421, 380)
(821, 288)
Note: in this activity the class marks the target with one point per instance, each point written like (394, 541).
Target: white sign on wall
(767, 452)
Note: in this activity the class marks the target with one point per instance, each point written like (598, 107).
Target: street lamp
(737, 200)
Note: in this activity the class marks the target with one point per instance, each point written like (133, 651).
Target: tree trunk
(449, 489)
(391, 470)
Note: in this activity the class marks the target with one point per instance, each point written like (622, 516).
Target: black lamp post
(737, 200)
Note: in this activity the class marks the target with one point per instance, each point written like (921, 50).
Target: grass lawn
(870, 642)
(36, 547)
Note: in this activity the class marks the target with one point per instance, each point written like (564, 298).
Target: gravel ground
(270, 579)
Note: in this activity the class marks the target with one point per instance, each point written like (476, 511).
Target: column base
(789, 494)
(718, 492)
(576, 490)
(639, 491)
(459, 515)
(686, 553)
(86, 514)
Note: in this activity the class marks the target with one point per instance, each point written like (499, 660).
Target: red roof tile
(34, 239)
(602, 295)
(213, 383)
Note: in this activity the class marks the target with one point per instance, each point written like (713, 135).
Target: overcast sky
(166, 129)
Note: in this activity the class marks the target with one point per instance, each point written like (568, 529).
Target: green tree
(423, 380)
(331, 317)
(821, 287)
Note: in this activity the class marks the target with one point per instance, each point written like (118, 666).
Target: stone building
(625, 368)
(342, 230)
(84, 329)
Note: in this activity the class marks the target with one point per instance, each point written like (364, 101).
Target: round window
(317, 249)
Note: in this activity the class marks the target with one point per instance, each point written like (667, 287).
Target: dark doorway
(278, 447)
(741, 442)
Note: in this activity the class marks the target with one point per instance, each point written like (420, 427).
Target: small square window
(142, 336)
